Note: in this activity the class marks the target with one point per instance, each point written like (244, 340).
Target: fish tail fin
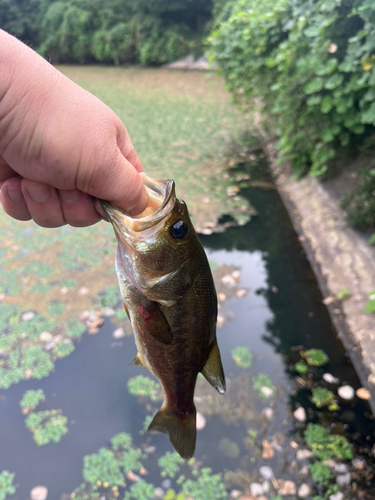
(181, 429)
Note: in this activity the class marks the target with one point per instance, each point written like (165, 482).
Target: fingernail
(70, 195)
(15, 194)
(38, 192)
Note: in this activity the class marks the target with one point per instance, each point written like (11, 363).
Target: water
(282, 310)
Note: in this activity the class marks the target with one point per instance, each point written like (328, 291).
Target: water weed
(169, 464)
(31, 399)
(143, 386)
(315, 357)
(6, 484)
(47, 426)
(242, 356)
(263, 384)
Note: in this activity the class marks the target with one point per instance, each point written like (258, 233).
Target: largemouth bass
(169, 295)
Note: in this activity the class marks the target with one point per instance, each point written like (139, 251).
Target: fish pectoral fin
(152, 321)
(138, 362)
(180, 428)
(213, 369)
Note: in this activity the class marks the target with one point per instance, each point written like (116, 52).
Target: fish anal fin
(138, 362)
(181, 429)
(213, 369)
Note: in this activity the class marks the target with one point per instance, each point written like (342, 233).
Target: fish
(169, 295)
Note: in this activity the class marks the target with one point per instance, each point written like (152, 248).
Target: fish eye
(179, 230)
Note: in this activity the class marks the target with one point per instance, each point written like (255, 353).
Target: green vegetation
(242, 356)
(322, 397)
(301, 367)
(370, 307)
(360, 203)
(31, 399)
(110, 296)
(129, 460)
(263, 384)
(6, 484)
(140, 491)
(169, 464)
(206, 487)
(371, 240)
(121, 441)
(102, 467)
(321, 473)
(143, 386)
(310, 66)
(315, 357)
(63, 349)
(47, 426)
(343, 294)
(74, 328)
(325, 446)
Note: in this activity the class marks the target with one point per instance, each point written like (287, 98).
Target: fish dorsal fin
(213, 369)
(138, 362)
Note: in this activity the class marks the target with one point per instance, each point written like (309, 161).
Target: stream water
(281, 311)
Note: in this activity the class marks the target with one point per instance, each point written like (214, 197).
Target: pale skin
(61, 148)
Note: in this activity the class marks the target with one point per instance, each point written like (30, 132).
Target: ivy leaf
(334, 81)
(326, 104)
(368, 116)
(314, 85)
(311, 31)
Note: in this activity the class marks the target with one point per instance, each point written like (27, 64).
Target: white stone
(268, 413)
(158, 492)
(235, 493)
(304, 471)
(346, 392)
(267, 391)
(45, 336)
(149, 449)
(118, 333)
(337, 496)
(27, 316)
(341, 468)
(108, 311)
(256, 489)
(303, 454)
(266, 472)
(39, 493)
(266, 487)
(300, 414)
(200, 422)
(328, 377)
(304, 490)
(343, 479)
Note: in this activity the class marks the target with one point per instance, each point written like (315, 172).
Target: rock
(39, 493)
(45, 336)
(266, 472)
(221, 297)
(27, 316)
(346, 392)
(158, 492)
(267, 391)
(337, 496)
(266, 487)
(64, 290)
(288, 488)
(108, 312)
(166, 483)
(2, 296)
(341, 468)
(118, 333)
(228, 279)
(328, 300)
(235, 493)
(268, 413)
(330, 379)
(304, 490)
(27, 374)
(358, 463)
(83, 290)
(50, 345)
(149, 449)
(206, 230)
(200, 422)
(247, 496)
(143, 471)
(304, 471)
(84, 316)
(236, 275)
(256, 489)
(132, 477)
(303, 454)
(293, 445)
(363, 393)
(241, 293)
(343, 479)
(268, 451)
(300, 414)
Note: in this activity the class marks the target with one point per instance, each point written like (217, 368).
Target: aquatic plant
(102, 467)
(63, 349)
(56, 307)
(110, 296)
(34, 359)
(121, 441)
(31, 399)
(301, 367)
(263, 384)
(315, 357)
(140, 491)
(129, 460)
(121, 313)
(322, 397)
(143, 386)
(6, 484)
(242, 356)
(47, 426)
(321, 473)
(370, 306)
(325, 446)
(170, 463)
(206, 487)
(146, 423)
(74, 328)
(343, 294)
(229, 448)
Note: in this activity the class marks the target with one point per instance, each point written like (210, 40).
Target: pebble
(266, 472)
(200, 422)
(328, 300)
(45, 336)
(166, 483)
(108, 311)
(143, 471)
(337, 496)
(83, 290)
(158, 492)
(118, 333)
(206, 230)
(50, 345)
(266, 487)
(359, 464)
(247, 496)
(300, 414)
(241, 293)
(268, 413)
(330, 379)
(235, 493)
(268, 451)
(341, 468)
(39, 493)
(293, 445)
(346, 392)
(288, 488)
(221, 297)
(363, 393)
(304, 471)
(343, 479)
(149, 449)
(267, 391)
(27, 374)
(228, 280)
(303, 454)
(84, 316)
(304, 490)
(256, 489)
(132, 477)
(236, 274)
(27, 316)
(64, 290)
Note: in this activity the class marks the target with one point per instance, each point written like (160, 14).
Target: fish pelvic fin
(137, 361)
(180, 428)
(213, 369)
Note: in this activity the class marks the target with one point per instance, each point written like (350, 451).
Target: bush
(312, 63)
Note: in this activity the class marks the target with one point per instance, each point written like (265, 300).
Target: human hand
(60, 147)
